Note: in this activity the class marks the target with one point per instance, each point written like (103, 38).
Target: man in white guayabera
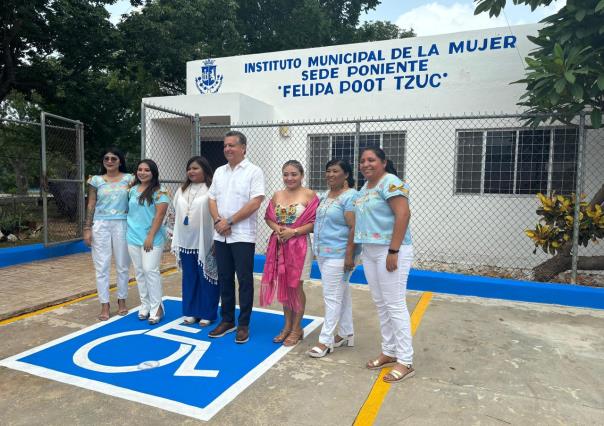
(235, 196)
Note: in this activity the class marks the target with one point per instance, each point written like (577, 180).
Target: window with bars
(325, 147)
(516, 161)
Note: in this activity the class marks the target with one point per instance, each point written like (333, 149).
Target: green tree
(272, 25)
(36, 34)
(65, 51)
(565, 76)
(566, 70)
(157, 42)
(19, 144)
(381, 30)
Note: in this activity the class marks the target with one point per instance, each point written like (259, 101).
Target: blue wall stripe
(439, 282)
(31, 252)
(496, 288)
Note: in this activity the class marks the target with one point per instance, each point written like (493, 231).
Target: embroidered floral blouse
(373, 215)
(111, 197)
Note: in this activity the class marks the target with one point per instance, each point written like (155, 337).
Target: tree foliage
(565, 73)
(555, 227)
(45, 41)
(19, 144)
(381, 30)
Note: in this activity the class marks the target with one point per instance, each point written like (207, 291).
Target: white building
(473, 180)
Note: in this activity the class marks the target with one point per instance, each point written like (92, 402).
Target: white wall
(471, 229)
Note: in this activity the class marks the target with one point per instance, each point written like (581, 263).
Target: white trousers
(338, 302)
(109, 236)
(388, 290)
(148, 277)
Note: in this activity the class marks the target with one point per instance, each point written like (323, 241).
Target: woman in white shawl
(192, 245)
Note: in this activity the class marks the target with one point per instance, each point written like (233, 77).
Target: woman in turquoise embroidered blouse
(334, 248)
(105, 227)
(382, 226)
(146, 237)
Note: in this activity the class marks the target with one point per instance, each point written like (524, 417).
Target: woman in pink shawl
(291, 216)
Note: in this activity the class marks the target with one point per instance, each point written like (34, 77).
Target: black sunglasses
(108, 158)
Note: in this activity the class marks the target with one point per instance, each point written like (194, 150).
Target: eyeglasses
(110, 159)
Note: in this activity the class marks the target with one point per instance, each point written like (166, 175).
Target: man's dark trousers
(236, 258)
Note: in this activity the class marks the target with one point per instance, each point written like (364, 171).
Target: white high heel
(346, 341)
(317, 352)
(158, 317)
(155, 320)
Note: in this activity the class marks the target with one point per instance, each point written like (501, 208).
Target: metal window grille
(516, 161)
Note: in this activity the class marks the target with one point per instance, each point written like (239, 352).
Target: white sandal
(317, 352)
(346, 341)
(189, 320)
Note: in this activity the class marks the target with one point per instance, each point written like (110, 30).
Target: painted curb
(488, 287)
(29, 253)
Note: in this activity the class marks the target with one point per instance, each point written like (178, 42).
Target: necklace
(186, 221)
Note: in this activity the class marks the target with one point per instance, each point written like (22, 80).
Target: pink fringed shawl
(285, 261)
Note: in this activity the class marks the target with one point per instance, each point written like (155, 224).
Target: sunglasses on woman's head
(108, 158)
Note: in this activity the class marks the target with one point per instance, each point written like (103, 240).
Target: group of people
(125, 219)
(214, 236)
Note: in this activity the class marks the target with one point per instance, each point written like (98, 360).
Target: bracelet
(217, 220)
(296, 232)
(392, 251)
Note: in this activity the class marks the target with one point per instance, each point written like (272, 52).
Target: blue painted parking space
(172, 366)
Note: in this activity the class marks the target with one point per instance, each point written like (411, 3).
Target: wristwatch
(230, 221)
(392, 251)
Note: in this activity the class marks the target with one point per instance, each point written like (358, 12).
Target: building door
(213, 151)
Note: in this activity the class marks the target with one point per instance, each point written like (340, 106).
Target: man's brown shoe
(243, 334)
(222, 329)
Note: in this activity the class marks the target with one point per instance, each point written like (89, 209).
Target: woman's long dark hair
(379, 152)
(346, 168)
(119, 154)
(208, 173)
(147, 194)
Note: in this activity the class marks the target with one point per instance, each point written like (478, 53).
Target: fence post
(196, 148)
(578, 192)
(43, 177)
(82, 177)
(355, 153)
(143, 129)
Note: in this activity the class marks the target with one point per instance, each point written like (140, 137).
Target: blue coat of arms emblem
(210, 81)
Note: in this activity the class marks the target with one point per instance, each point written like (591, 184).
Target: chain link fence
(21, 213)
(41, 180)
(591, 185)
(62, 152)
(474, 179)
(173, 135)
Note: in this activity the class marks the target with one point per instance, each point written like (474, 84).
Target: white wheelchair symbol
(194, 348)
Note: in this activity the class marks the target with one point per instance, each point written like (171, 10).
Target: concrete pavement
(28, 287)
(478, 361)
